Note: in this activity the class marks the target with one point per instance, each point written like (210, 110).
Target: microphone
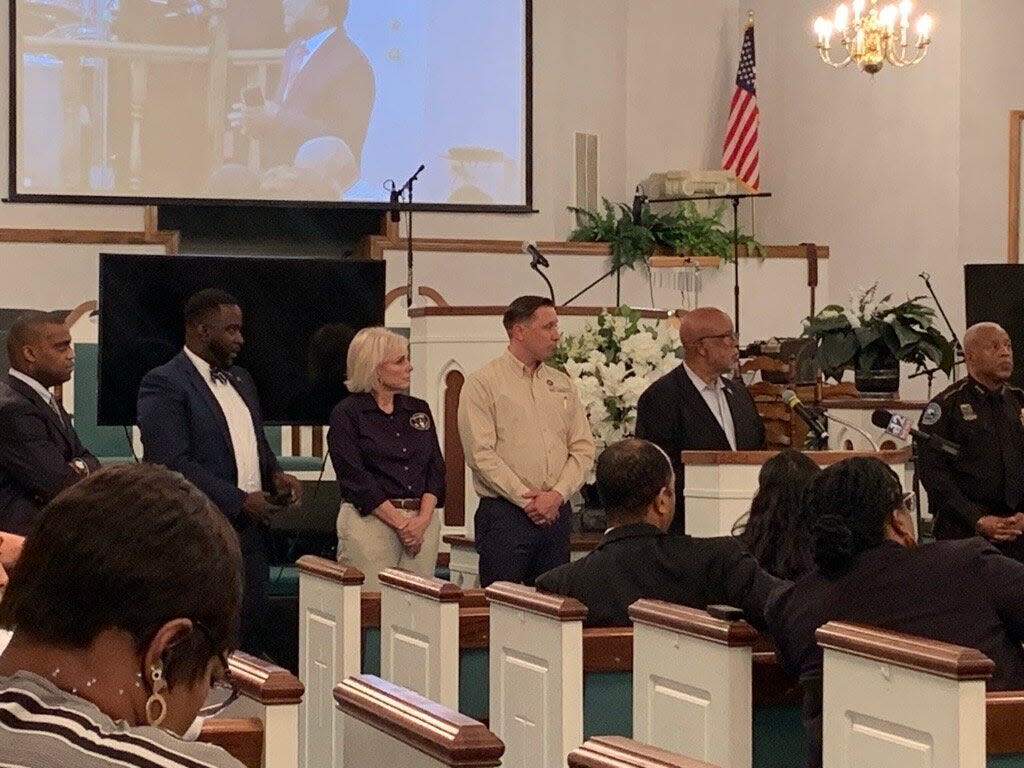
(538, 258)
(396, 195)
(639, 198)
(809, 418)
(900, 426)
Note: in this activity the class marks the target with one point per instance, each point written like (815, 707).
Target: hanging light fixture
(873, 36)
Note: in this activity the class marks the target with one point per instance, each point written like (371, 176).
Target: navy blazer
(673, 415)
(184, 428)
(35, 448)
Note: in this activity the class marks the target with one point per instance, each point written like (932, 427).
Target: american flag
(740, 152)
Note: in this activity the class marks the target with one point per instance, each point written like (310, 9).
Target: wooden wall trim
(166, 238)
(374, 246)
(329, 569)
(931, 656)
(441, 733)
(1013, 207)
(426, 586)
(620, 752)
(693, 622)
(756, 458)
(264, 682)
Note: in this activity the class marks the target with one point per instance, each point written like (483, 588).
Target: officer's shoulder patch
(931, 414)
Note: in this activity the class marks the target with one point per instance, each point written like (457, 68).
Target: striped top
(42, 726)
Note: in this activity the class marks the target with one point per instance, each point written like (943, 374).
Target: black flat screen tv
(299, 315)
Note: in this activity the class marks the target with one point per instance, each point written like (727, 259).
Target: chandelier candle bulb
(842, 19)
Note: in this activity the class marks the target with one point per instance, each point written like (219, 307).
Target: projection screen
(157, 101)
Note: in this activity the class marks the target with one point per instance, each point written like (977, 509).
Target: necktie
(56, 409)
(219, 375)
(292, 62)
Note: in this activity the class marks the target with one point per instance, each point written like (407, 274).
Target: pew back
(692, 682)
(273, 695)
(419, 639)
(620, 752)
(536, 673)
(388, 725)
(897, 700)
(329, 639)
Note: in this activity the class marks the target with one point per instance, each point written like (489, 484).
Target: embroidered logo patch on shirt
(420, 421)
(967, 411)
(931, 414)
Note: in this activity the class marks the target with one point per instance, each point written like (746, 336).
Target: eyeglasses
(910, 503)
(731, 336)
(223, 692)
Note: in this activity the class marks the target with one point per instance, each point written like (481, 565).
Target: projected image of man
(326, 87)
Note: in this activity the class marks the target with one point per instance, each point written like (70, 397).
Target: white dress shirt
(42, 391)
(718, 402)
(240, 426)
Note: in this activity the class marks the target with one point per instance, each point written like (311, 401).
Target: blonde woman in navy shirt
(386, 456)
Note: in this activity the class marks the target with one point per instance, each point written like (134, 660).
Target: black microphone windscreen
(881, 418)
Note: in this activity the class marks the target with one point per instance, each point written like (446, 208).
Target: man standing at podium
(527, 441)
(698, 407)
(981, 491)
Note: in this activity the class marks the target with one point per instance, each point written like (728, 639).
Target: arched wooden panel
(454, 458)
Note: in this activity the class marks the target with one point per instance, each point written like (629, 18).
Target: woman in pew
(870, 570)
(386, 455)
(777, 531)
(124, 605)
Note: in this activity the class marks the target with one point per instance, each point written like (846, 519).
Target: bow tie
(219, 375)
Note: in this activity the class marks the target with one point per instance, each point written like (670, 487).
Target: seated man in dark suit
(638, 559)
(199, 415)
(40, 453)
(697, 407)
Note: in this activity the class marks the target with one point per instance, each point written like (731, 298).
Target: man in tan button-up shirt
(527, 441)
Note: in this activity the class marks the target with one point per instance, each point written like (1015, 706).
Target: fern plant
(683, 230)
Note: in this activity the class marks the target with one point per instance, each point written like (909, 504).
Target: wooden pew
(536, 673)
(329, 651)
(240, 737)
(272, 695)
(419, 639)
(692, 683)
(620, 752)
(388, 725)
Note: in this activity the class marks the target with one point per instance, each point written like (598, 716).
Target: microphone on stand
(639, 198)
(900, 426)
(806, 414)
(538, 258)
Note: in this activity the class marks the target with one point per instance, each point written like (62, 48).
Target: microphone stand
(855, 428)
(735, 199)
(958, 348)
(396, 196)
(535, 266)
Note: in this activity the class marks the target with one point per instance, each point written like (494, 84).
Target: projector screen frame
(16, 196)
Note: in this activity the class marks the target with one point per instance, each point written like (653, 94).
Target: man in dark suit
(199, 415)
(40, 453)
(697, 407)
(638, 559)
(326, 87)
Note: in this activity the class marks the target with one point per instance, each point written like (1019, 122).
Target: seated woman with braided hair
(870, 570)
(124, 604)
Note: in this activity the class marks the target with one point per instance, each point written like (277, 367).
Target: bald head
(39, 345)
(709, 344)
(989, 354)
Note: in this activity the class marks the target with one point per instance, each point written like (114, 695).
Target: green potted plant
(683, 230)
(874, 337)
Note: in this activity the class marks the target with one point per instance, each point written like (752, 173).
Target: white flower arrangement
(612, 362)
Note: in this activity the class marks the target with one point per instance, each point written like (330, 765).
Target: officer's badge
(420, 421)
(931, 414)
(967, 411)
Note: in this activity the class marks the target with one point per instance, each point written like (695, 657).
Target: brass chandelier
(873, 36)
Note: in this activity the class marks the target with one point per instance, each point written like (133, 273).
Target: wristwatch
(80, 467)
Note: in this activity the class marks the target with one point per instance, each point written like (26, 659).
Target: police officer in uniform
(981, 491)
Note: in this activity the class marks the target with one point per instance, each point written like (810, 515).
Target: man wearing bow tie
(40, 453)
(199, 414)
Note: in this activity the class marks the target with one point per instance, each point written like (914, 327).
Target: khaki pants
(370, 545)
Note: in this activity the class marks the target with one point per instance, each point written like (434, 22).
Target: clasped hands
(543, 506)
(261, 509)
(995, 528)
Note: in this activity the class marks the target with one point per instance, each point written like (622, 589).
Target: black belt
(405, 503)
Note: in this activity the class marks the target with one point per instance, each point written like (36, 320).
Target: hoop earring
(156, 700)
